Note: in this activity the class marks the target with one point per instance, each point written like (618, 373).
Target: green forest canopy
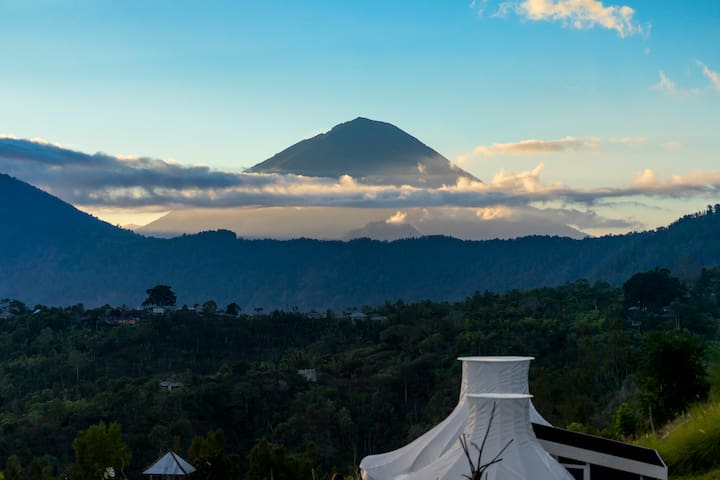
(233, 397)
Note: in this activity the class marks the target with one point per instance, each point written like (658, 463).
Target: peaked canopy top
(495, 359)
(170, 464)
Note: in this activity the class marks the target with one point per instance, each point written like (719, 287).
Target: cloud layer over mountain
(102, 179)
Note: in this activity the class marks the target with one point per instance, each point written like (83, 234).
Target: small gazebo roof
(170, 464)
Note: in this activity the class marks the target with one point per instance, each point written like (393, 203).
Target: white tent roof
(170, 464)
(498, 375)
(524, 457)
(479, 375)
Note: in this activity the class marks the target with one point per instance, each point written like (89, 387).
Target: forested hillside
(615, 361)
(53, 254)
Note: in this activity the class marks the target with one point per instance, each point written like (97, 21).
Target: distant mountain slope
(24, 207)
(49, 249)
(362, 148)
(335, 223)
(51, 253)
(384, 231)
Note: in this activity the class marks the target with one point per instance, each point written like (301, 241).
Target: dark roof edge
(601, 451)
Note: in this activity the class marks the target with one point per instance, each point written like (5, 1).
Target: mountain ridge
(95, 263)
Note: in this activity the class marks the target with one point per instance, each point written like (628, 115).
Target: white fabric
(498, 375)
(170, 464)
(479, 375)
(524, 459)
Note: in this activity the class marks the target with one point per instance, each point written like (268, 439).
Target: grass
(713, 475)
(691, 443)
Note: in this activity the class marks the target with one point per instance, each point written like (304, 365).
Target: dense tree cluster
(653, 289)
(160, 296)
(223, 389)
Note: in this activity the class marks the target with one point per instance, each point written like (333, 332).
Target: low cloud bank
(106, 180)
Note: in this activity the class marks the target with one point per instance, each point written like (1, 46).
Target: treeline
(225, 390)
(53, 254)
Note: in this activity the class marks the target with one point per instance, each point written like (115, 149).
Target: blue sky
(228, 84)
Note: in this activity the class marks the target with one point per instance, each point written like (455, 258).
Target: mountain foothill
(54, 254)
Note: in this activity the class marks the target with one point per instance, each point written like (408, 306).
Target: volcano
(371, 151)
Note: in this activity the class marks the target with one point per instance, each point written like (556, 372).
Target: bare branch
(476, 471)
(464, 445)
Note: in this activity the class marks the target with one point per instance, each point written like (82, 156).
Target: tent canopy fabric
(479, 375)
(523, 457)
(170, 464)
(498, 375)
(500, 385)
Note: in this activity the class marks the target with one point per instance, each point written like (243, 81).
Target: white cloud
(492, 213)
(646, 178)
(668, 86)
(398, 217)
(479, 6)
(537, 147)
(714, 77)
(628, 140)
(567, 144)
(577, 14)
(672, 145)
(698, 179)
(665, 85)
(528, 181)
(533, 146)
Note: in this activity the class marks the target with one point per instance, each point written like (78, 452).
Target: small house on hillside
(357, 316)
(309, 374)
(314, 315)
(169, 385)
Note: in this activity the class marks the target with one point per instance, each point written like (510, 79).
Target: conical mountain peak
(371, 150)
(367, 124)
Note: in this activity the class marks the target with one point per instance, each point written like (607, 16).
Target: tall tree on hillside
(160, 296)
(269, 460)
(210, 456)
(233, 309)
(210, 307)
(100, 452)
(652, 289)
(672, 374)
